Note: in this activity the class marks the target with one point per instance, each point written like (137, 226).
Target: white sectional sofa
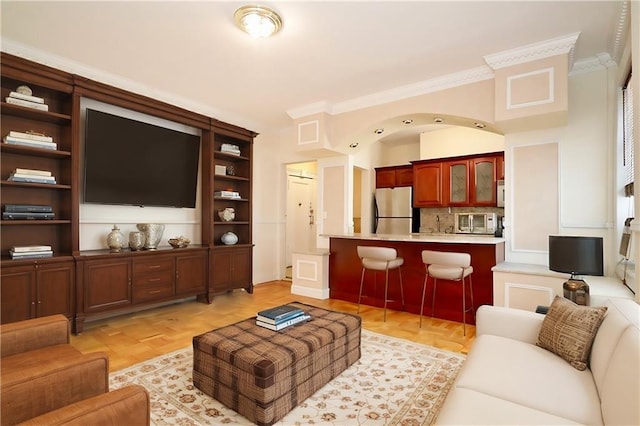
(508, 379)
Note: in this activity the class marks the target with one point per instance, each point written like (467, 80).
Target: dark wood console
(115, 283)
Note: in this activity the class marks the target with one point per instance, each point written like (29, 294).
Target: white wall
(457, 141)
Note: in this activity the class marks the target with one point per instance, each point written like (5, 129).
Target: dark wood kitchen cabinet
(37, 289)
(427, 184)
(394, 176)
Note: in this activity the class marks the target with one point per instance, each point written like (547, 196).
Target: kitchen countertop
(423, 238)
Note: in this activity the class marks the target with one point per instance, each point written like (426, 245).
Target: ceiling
(328, 54)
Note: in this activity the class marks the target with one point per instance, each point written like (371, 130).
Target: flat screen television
(576, 255)
(129, 162)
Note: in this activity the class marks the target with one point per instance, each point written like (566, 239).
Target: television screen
(135, 163)
(576, 255)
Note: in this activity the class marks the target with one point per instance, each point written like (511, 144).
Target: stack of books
(27, 211)
(30, 252)
(226, 194)
(31, 139)
(281, 317)
(32, 176)
(230, 149)
(28, 101)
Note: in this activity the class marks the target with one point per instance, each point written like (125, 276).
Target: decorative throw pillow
(568, 330)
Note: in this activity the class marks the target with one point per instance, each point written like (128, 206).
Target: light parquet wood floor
(133, 338)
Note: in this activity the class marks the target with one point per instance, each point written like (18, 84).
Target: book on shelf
(31, 179)
(30, 248)
(34, 172)
(34, 176)
(28, 104)
(26, 208)
(226, 194)
(277, 327)
(28, 215)
(10, 140)
(279, 312)
(33, 255)
(24, 97)
(31, 135)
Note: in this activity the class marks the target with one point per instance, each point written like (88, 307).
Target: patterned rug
(395, 382)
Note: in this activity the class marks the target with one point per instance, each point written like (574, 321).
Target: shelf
(231, 178)
(22, 222)
(233, 222)
(227, 156)
(6, 260)
(35, 185)
(40, 152)
(35, 114)
(230, 199)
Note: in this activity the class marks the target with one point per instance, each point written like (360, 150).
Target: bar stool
(452, 267)
(380, 259)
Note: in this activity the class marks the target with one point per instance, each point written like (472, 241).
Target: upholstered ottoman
(264, 374)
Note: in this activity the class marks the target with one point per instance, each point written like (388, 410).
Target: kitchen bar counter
(345, 271)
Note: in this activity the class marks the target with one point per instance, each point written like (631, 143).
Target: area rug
(395, 382)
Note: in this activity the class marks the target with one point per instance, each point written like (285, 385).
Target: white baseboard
(310, 292)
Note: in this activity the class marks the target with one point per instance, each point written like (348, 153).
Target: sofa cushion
(568, 330)
(469, 407)
(530, 376)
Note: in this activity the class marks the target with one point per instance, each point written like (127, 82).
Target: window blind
(627, 135)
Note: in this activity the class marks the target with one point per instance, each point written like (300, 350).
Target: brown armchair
(45, 380)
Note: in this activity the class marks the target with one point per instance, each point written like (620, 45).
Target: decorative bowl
(179, 242)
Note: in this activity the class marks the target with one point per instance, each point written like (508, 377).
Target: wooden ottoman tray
(264, 374)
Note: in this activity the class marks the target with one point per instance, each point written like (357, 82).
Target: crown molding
(621, 34)
(533, 52)
(448, 81)
(595, 63)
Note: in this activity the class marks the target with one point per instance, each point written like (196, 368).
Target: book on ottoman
(279, 314)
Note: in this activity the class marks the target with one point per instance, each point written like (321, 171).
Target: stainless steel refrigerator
(394, 212)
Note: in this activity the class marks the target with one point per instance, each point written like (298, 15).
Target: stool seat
(452, 267)
(380, 259)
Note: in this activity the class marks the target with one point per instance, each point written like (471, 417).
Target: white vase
(115, 240)
(229, 238)
(227, 214)
(153, 234)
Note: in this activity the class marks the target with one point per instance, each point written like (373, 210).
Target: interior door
(300, 215)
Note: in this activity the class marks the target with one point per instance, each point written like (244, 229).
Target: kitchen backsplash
(441, 219)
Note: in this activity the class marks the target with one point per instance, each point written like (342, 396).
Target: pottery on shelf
(115, 240)
(152, 233)
(136, 240)
(179, 242)
(229, 238)
(227, 214)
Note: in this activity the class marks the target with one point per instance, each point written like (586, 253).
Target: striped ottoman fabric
(264, 374)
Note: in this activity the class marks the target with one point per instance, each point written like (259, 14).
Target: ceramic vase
(152, 233)
(229, 238)
(115, 240)
(136, 240)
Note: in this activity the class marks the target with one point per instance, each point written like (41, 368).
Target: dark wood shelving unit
(68, 283)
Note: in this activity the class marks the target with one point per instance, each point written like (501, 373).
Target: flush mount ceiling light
(407, 121)
(438, 120)
(378, 131)
(480, 125)
(353, 145)
(258, 21)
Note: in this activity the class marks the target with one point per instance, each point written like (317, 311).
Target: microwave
(475, 223)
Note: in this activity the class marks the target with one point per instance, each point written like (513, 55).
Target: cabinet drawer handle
(153, 279)
(155, 266)
(155, 292)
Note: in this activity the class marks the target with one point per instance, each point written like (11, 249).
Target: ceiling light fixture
(258, 21)
(407, 121)
(378, 131)
(353, 145)
(438, 120)
(480, 125)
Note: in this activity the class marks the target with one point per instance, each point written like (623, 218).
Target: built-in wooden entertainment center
(85, 285)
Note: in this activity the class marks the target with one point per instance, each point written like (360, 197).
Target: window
(627, 135)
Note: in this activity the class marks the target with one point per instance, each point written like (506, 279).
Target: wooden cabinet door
(404, 176)
(483, 181)
(107, 285)
(385, 178)
(500, 167)
(55, 286)
(17, 290)
(231, 269)
(427, 185)
(456, 183)
(191, 274)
